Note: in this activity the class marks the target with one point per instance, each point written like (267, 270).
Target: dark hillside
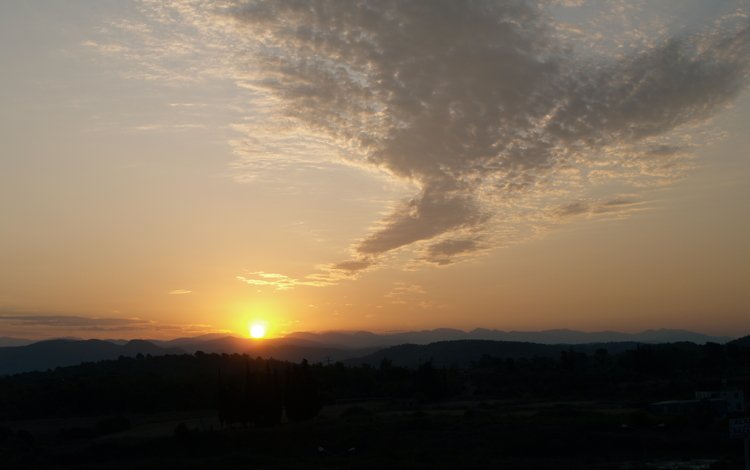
(62, 352)
(463, 352)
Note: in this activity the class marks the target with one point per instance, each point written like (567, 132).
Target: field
(380, 434)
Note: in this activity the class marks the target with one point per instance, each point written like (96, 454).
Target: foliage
(253, 391)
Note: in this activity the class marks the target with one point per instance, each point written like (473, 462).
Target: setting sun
(257, 330)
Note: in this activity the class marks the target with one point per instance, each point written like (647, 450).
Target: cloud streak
(283, 282)
(70, 321)
(180, 292)
(30, 325)
(46, 325)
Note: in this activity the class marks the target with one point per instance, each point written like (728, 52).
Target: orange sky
(173, 168)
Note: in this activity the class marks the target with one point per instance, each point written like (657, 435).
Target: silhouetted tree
(429, 383)
(301, 398)
(246, 402)
(224, 402)
(268, 404)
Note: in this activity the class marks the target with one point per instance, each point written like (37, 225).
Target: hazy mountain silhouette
(64, 352)
(287, 349)
(463, 352)
(445, 345)
(743, 342)
(6, 341)
(188, 342)
(359, 339)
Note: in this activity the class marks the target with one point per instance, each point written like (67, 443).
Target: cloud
(433, 212)
(403, 293)
(352, 266)
(32, 325)
(70, 321)
(507, 120)
(180, 292)
(283, 282)
(481, 106)
(263, 279)
(324, 275)
(618, 206)
(51, 325)
(168, 127)
(447, 250)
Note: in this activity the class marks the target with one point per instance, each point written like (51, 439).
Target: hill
(49, 354)
(406, 348)
(45, 355)
(6, 341)
(463, 352)
(366, 339)
(743, 342)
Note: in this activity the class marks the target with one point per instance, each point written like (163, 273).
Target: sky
(173, 168)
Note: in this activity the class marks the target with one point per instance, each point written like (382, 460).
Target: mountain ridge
(49, 354)
(340, 346)
(553, 336)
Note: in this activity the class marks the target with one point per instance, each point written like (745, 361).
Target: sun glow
(257, 330)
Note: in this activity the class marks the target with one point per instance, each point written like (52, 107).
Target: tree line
(243, 390)
(253, 391)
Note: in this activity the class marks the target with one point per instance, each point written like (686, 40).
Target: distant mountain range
(6, 341)
(49, 354)
(463, 352)
(443, 345)
(66, 352)
(743, 342)
(360, 339)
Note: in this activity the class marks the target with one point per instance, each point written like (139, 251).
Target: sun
(257, 330)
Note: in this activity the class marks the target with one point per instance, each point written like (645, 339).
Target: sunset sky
(173, 168)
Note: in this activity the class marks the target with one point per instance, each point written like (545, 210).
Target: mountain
(365, 339)
(63, 352)
(353, 347)
(338, 339)
(188, 342)
(463, 352)
(743, 342)
(287, 349)
(6, 341)
(564, 336)
(673, 336)
(459, 352)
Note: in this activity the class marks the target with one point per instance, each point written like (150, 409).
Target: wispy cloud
(280, 281)
(180, 292)
(50, 325)
(620, 207)
(323, 276)
(507, 120)
(70, 321)
(168, 127)
(404, 293)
